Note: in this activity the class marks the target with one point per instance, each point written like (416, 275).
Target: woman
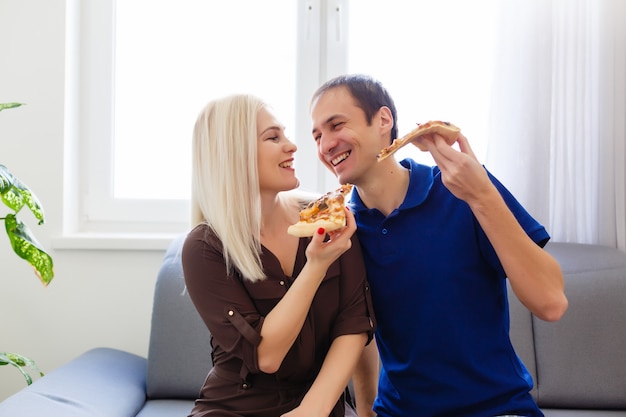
(288, 317)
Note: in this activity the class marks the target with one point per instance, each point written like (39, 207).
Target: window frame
(98, 211)
(322, 48)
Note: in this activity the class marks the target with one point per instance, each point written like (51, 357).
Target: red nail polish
(320, 231)
(347, 208)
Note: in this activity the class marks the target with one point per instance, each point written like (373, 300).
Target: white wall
(98, 297)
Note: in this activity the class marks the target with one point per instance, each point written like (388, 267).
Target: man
(439, 243)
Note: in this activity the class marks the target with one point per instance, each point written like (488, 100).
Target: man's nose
(327, 143)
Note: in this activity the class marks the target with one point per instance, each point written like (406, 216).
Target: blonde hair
(225, 185)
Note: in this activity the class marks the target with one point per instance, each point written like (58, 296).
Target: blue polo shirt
(439, 294)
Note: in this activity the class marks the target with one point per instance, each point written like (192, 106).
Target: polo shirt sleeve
(221, 298)
(356, 314)
(532, 227)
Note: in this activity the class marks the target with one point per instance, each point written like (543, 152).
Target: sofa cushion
(179, 356)
(582, 413)
(580, 359)
(102, 382)
(166, 408)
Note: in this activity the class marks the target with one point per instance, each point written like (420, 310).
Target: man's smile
(338, 159)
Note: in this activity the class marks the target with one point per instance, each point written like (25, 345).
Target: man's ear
(385, 121)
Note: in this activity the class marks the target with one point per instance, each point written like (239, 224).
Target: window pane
(171, 57)
(434, 57)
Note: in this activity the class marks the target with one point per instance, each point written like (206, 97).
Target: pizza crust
(328, 211)
(449, 132)
(302, 229)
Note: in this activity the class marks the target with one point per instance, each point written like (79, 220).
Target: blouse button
(384, 231)
(282, 283)
(244, 386)
(231, 312)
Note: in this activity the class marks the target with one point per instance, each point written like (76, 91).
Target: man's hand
(461, 171)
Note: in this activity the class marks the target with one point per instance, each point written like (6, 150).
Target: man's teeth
(286, 164)
(339, 158)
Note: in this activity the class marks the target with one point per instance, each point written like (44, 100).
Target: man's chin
(331, 168)
(342, 177)
(339, 172)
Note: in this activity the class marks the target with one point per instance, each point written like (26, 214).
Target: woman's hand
(324, 251)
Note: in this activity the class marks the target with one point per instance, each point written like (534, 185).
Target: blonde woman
(289, 317)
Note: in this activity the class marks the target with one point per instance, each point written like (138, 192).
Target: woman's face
(275, 154)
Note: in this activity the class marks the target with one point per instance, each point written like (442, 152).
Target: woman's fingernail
(347, 208)
(320, 231)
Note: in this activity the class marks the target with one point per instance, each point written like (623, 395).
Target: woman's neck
(277, 213)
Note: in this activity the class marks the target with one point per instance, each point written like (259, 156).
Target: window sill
(114, 241)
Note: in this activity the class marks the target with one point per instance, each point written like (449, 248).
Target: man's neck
(385, 188)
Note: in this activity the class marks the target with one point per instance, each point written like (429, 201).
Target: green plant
(22, 363)
(15, 196)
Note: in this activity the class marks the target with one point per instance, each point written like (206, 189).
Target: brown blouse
(234, 309)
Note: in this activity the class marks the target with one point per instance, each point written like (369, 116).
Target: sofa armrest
(101, 382)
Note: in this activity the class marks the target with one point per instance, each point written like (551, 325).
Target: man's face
(346, 144)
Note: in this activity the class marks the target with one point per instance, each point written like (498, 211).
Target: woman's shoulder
(201, 230)
(202, 235)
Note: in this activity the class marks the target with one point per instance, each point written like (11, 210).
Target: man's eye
(316, 138)
(337, 125)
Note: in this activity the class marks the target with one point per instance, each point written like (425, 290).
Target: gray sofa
(578, 363)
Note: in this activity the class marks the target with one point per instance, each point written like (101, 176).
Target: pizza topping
(326, 212)
(329, 206)
(446, 129)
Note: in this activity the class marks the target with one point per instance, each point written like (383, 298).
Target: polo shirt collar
(421, 178)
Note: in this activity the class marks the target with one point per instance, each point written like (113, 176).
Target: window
(148, 66)
(435, 58)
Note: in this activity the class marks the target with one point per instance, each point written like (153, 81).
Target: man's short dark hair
(370, 95)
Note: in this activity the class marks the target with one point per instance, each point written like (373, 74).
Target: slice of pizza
(327, 212)
(449, 132)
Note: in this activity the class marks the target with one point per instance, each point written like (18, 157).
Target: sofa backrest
(179, 355)
(579, 361)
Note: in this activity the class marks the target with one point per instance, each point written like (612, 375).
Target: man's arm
(365, 380)
(535, 276)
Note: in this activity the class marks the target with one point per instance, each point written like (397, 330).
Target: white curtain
(557, 130)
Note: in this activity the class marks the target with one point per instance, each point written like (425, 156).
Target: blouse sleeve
(221, 298)
(356, 313)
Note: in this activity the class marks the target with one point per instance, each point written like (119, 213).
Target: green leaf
(26, 247)
(9, 105)
(15, 195)
(22, 363)
(6, 179)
